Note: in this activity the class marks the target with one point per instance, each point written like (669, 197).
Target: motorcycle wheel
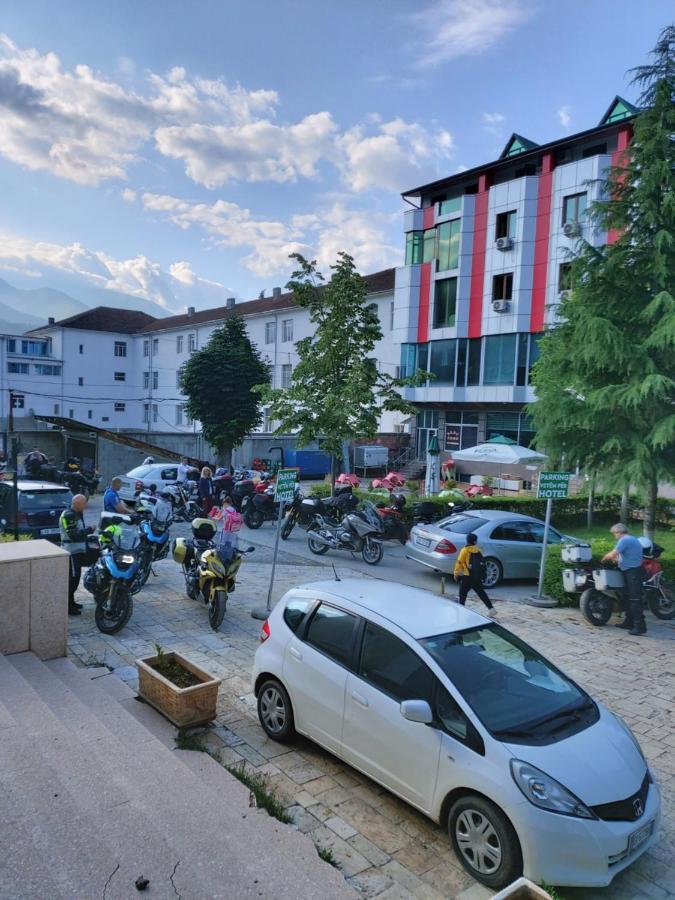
(193, 511)
(112, 616)
(372, 552)
(288, 526)
(662, 602)
(217, 607)
(192, 588)
(253, 518)
(596, 606)
(315, 546)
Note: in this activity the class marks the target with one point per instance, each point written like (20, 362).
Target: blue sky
(180, 151)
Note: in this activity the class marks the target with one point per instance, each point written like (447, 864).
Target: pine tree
(337, 391)
(605, 379)
(222, 383)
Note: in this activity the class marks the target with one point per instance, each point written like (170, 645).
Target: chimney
(261, 295)
(51, 320)
(229, 303)
(190, 310)
(276, 292)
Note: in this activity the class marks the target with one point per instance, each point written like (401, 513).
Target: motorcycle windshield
(162, 512)
(369, 514)
(126, 538)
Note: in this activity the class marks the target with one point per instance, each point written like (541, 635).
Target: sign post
(284, 492)
(552, 486)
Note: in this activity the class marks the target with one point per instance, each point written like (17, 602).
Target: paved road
(394, 566)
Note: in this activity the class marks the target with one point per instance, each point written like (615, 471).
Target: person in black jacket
(74, 534)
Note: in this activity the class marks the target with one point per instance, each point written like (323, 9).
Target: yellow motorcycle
(210, 571)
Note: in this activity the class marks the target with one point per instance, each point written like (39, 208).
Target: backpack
(477, 567)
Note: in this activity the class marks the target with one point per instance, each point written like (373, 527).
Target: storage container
(608, 579)
(576, 553)
(574, 580)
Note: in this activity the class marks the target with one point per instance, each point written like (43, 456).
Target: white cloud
(564, 116)
(492, 123)
(451, 29)
(128, 195)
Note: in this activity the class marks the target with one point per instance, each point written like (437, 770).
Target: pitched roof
(619, 109)
(107, 318)
(377, 283)
(517, 144)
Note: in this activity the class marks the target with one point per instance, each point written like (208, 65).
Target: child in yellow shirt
(468, 572)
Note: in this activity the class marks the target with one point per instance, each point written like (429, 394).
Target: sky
(181, 151)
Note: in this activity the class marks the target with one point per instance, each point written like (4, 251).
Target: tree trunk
(333, 467)
(224, 457)
(591, 501)
(624, 511)
(649, 525)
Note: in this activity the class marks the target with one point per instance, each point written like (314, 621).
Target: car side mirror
(417, 711)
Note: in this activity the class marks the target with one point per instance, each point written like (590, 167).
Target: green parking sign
(553, 485)
(284, 487)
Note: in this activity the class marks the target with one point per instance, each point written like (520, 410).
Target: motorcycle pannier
(203, 529)
(179, 551)
(574, 580)
(608, 579)
(577, 553)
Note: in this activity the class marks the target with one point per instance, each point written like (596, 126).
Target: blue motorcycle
(110, 580)
(153, 532)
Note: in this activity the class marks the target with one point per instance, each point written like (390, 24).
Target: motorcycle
(78, 481)
(185, 509)
(209, 570)
(304, 510)
(425, 511)
(392, 519)
(259, 508)
(241, 490)
(111, 578)
(361, 532)
(153, 531)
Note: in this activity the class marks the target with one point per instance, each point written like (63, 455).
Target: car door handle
(295, 652)
(360, 699)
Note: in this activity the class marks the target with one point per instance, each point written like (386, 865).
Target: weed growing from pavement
(551, 891)
(326, 854)
(265, 798)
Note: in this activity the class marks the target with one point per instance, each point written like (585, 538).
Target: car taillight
(139, 486)
(265, 631)
(445, 547)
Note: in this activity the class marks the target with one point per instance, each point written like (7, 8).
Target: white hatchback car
(162, 475)
(466, 722)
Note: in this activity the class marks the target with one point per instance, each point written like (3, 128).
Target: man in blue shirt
(627, 554)
(112, 502)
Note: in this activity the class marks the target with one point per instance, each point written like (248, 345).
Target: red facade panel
(541, 244)
(425, 303)
(478, 257)
(623, 140)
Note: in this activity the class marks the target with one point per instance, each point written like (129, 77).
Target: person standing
(627, 554)
(34, 462)
(468, 572)
(184, 469)
(74, 534)
(205, 490)
(112, 502)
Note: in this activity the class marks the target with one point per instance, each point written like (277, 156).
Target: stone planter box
(185, 707)
(522, 889)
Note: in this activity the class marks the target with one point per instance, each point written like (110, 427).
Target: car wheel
(484, 841)
(494, 572)
(275, 711)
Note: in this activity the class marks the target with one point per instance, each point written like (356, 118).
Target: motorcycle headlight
(127, 558)
(547, 793)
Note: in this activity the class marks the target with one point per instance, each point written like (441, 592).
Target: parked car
(466, 722)
(40, 504)
(511, 543)
(140, 478)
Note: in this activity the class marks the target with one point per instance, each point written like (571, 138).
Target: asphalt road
(394, 566)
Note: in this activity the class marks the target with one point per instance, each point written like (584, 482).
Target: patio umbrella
(498, 453)
(432, 478)
(501, 439)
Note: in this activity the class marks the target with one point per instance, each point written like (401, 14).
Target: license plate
(638, 837)
(423, 542)
(49, 531)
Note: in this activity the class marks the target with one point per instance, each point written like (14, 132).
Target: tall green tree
(605, 380)
(222, 382)
(337, 391)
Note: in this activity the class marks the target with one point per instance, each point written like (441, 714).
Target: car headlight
(547, 793)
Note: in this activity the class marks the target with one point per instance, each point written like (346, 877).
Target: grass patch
(186, 741)
(265, 797)
(326, 854)
(551, 891)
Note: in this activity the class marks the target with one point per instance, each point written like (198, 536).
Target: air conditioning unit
(504, 243)
(571, 229)
(501, 306)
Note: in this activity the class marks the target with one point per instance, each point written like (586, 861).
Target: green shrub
(9, 538)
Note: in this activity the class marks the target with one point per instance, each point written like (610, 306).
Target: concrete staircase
(93, 796)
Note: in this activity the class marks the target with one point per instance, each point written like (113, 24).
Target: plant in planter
(180, 690)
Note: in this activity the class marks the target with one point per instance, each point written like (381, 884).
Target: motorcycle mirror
(250, 549)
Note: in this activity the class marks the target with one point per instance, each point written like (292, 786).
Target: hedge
(553, 584)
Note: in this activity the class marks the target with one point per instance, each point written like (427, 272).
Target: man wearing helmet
(627, 554)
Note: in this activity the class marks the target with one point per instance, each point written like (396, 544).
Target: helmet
(203, 529)
(647, 547)
(398, 501)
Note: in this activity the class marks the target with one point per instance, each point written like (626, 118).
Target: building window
(413, 247)
(120, 376)
(15, 368)
(502, 286)
(461, 430)
(43, 369)
(146, 380)
(506, 224)
(146, 412)
(413, 357)
(71, 413)
(179, 375)
(287, 330)
(392, 310)
(188, 418)
(270, 332)
(80, 381)
(192, 343)
(574, 208)
(179, 415)
(155, 346)
(448, 245)
(446, 207)
(57, 409)
(445, 302)
(429, 248)
(89, 414)
(442, 361)
(499, 364)
(120, 348)
(286, 373)
(155, 380)
(18, 401)
(81, 351)
(34, 348)
(155, 412)
(11, 345)
(146, 348)
(120, 407)
(521, 364)
(565, 277)
(473, 362)
(179, 343)
(105, 418)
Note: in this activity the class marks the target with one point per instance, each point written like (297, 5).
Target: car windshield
(513, 690)
(31, 500)
(140, 472)
(461, 524)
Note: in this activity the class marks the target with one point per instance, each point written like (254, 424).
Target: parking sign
(284, 487)
(553, 485)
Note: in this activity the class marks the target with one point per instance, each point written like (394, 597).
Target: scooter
(110, 579)
(361, 532)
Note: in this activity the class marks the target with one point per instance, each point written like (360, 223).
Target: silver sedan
(511, 543)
